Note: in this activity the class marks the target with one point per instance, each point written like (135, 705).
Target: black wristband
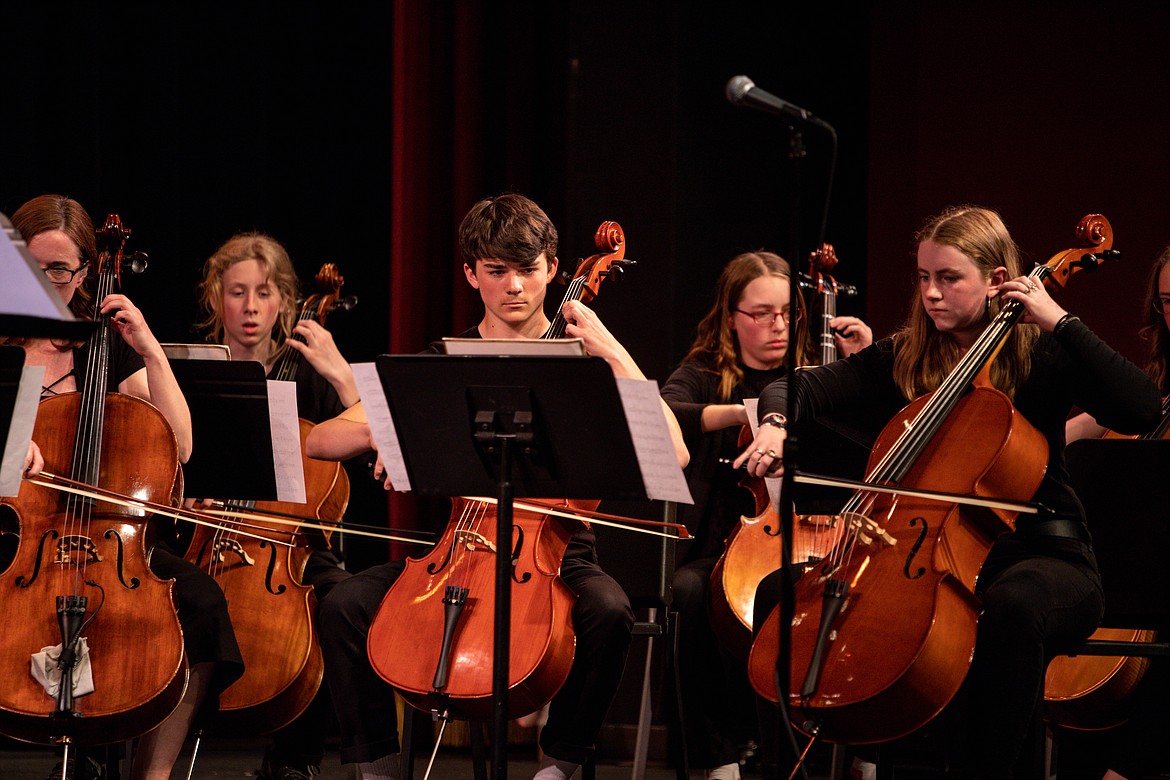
(1062, 323)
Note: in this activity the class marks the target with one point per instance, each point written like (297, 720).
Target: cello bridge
(76, 549)
(866, 530)
(470, 540)
(232, 546)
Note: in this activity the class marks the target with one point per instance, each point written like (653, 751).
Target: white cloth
(46, 672)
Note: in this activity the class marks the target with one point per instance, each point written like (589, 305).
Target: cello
(444, 662)
(1092, 692)
(884, 627)
(753, 547)
(271, 610)
(80, 576)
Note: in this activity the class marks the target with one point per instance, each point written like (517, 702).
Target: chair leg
(642, 741)
(589, 768)
(681, 764)
(407, 747)
(478, 754)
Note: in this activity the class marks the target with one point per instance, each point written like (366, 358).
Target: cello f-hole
(518, 533)
(917, 546)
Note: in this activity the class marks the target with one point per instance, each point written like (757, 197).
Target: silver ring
(1031, 287)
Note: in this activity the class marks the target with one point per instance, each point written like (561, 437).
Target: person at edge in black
(249, 297)
(1139, 749)
(739, 348)
(1039, 586)
(60, 235)
(509, 248)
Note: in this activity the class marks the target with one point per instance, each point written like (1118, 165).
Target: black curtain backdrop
(361, 133)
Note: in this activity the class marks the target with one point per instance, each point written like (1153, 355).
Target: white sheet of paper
(772, 483)
(381, 424)
(661, 474)
(24, 414)
(286, 442)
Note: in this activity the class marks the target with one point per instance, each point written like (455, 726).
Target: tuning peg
(136, 263)
(347, 303)
(618, 268)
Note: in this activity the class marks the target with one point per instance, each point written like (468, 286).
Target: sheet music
(24, 414)
(543, 347)
(661, 473)
(772, 483)
(381, 423)
(286, 442)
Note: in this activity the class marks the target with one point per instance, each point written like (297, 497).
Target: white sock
(862, 769)
(385, 768)
(553, 769)
(725, 772)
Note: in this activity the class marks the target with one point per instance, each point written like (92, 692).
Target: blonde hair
(925, 355)
(278, 268)
(715, 345)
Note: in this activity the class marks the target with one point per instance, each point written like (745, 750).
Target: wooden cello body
(1092, 692)
(433, 636)
(409, 641)
(884, 628)
(904, 635)
(272, 611)
(83, 564)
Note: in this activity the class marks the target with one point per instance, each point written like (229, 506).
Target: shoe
(90, 770)
(296, 772)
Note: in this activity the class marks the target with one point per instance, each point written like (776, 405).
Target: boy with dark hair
(509, 247)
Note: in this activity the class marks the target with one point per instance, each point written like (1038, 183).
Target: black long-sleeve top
(719, 501)
(1073, 368)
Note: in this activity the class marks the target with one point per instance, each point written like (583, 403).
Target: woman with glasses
(1156, 334)
(60, 236)
(740, 348)
(1139, 747)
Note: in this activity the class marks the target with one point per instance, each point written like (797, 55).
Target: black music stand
(510, 426)
(1125, 489)
(231, 455)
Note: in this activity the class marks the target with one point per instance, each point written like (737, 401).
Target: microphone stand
(796, 153)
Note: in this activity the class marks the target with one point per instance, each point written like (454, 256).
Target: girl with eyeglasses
(60, 236)
(740, 348)
(1138, 746)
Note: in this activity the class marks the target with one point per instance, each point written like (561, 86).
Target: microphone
(742, 91)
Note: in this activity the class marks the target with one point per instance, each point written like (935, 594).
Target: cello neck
(576, 291)
(91, 417)
(925, 425)
(290, 359)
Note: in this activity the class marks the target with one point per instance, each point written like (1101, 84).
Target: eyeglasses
(59, 274)
(765, 319)
(1160, 304)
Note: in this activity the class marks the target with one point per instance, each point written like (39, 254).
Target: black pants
(718, 705)
(203, 614)
(365, 703)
